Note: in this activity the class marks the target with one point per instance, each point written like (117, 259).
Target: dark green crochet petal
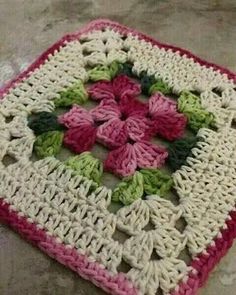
(76, 94)
(127, 70)
(129, 189)
(48, 144)
(146, 82)
(156, 182)
(86, 165)
(179, 150)
(43, 122)
(190, 105)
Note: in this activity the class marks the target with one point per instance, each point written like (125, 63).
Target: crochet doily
(118, 159)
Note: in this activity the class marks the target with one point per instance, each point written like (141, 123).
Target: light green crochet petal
(100, 73)
(114, 68)
(76, 94)
(156, 182)
(160, 86)
(86, 165)
(48, 143)
(129, 190)
(198, 117)
(105, 72)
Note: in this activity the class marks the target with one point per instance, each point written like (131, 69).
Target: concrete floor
(27, 27)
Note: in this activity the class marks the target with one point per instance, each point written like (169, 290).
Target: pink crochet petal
(112, 133)
(101, 90)
(106, 110)
(171, 126)
(167, 122)
(131, 106)
(159, 104)
(121, 161)
(138, 128)
(76, 117)
(149, 155)
(123, 86)
(80, 139)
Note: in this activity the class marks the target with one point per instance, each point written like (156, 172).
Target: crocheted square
(118, 159)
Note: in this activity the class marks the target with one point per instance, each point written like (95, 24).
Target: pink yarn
(125, 160)
(120, 87)
(106, 110)
(131, 106)
(101, 90)
(112, 133)
(124, 122)
(165, 119)
(76, 117)
(80, 139)
(138, 127)
(122, 161)
(123, 86)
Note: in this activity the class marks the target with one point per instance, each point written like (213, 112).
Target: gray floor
(208, 28)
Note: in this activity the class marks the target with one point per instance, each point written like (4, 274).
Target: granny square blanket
(118, 159)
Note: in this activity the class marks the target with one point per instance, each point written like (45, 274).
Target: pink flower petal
(167, 122)
(80, 139)
(131, 106)
(121, 161)
(113, 133)
(149, 155)
(106, 110)
(159, 104)
(138, 128)
(76, 117)
(123, 86)
(171, 126)
(101, 90)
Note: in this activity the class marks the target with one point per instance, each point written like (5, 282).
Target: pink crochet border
(118, 284)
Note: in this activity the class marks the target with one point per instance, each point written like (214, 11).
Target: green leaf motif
(48, 144)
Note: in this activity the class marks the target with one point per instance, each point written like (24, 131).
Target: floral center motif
(122, 123)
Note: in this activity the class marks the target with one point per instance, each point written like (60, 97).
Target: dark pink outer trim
(117, 285)
(92, 271)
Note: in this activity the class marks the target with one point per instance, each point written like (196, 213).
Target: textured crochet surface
(118, 159)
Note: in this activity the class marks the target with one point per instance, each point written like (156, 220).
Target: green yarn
(129, 190)
(156, 182)
(76, 94)
(159, 86)
(102, 72)
(44, 122)
(198, 117)
(99, 73)
(86, 165)
(115, 68)
(146, 82)
(179, 150)
(48, 144)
